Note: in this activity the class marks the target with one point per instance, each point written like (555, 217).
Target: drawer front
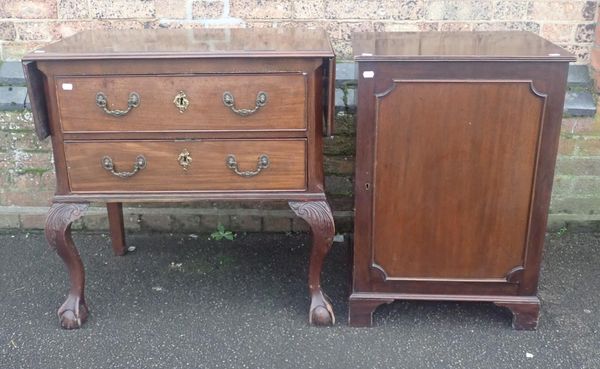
(211, 165)
(182, 103)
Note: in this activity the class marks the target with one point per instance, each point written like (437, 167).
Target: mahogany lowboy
(456, 145)
(184, 115)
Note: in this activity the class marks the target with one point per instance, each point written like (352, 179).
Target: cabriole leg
(320, 219)
(73, 312)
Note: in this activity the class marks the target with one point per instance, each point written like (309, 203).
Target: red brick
(7, 31)
(246, 223)
(95, 222)
(585, 186)
(73, 9)
(277, 224)
(566, 146)
(589, 11)
(341, 203)
(581, 52)
(10, 220)
(28, 9)
(343, 224)
(33, 221)
(338, 165)
(184, 222)
(170, 8)
(34, 31)
(578, 166)
(338, 185)
(585, 33)
(596, 75)
(300, 225)
(209, 223)
(259, 9)
(207, 9)
(156, 222)
(27, 197)
(588, 125)
(589, 147)
(27, 160)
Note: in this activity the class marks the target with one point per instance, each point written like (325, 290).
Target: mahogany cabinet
(184, 115)
(457, 136)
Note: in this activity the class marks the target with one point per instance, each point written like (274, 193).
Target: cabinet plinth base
(525, 315)
(525, 309)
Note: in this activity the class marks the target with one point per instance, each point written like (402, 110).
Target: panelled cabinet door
(453, 177)
(457, 135)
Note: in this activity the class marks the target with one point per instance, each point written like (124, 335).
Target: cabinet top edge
(187, 43)
(456, 46)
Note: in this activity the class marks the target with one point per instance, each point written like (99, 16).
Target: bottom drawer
(201, 165)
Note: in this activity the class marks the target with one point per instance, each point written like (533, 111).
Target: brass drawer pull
(263, 163)
(132, 102)
(229, 101)
(140, 163)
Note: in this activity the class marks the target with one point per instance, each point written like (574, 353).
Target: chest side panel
(454, 165)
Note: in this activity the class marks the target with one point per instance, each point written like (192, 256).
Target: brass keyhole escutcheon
(185, 159)
(181, 101)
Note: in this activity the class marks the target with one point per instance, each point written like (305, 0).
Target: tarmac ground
(184, 301)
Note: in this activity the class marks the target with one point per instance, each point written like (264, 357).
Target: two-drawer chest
(184, 115)
(457, 137)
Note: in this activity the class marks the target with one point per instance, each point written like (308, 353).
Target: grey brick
(277, 224)
(246, 223)
(579, 75)
(579, 104)
(11, 73)
(10, 220)
(12, 97)
(155, 222)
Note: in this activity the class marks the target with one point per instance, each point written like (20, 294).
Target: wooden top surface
(431, 46)
(187, 43)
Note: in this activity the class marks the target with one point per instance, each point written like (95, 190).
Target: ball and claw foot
(321, 312)
(73, 313)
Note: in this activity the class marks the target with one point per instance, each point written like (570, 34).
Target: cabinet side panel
(453, 177)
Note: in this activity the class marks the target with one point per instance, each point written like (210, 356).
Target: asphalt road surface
(183, 301)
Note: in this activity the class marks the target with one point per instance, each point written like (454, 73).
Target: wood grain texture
(456, 147)
(285, 108)
(290, 66)
(447, 189)
(449, 46)
(117, 228)
(188, 43)
(319, 217)
(74, 311)
(208, 170)
(35, 82)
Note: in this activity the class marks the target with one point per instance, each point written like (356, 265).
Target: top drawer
(241, 102)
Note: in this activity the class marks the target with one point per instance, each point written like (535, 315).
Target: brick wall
(26, 170)
(27, 185)
(26, 24)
